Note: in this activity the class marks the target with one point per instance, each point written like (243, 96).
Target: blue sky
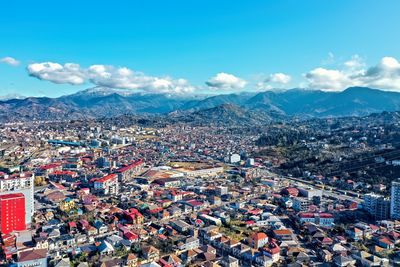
(248, 42)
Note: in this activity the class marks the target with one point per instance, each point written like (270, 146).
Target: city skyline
(200, 133)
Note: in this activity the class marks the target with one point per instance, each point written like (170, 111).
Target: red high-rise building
(12, 213)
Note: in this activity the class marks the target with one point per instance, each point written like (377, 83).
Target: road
(327, 190)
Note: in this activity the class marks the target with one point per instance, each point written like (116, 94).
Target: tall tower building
(395, 200)
(376, 205)
(12, 213)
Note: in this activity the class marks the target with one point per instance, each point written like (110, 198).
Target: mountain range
(261, 106)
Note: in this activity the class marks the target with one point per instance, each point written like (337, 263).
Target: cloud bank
(108, 76)
(274, 80)
(354, 72)
(384, 75)
(68, 73)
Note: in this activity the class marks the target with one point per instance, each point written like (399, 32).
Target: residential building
(107, 185)
(12, 213)
(395, 200)
(258, 240)
(301, 204)
(20, 183)
(377, 206)
(29, 258)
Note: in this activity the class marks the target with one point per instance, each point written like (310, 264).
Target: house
(101, 227)
(190, 243)
(180, 225)
(111, 263)
(258, 240)
(175, 196)
(272, 250)
(105, 248)
(283, 234)
(131, 236)
(325, 255)
(83, 225)
(114, 240)
(338, 249)
(171, 260)
(92, 231)
(134, 216)
(321, 219)
(35, 257)
(64, 262)
(150, 253)
(229, 261)
(264, 260)
(188, 256)
(386, 243)
(355, 233)
(366, 259)
(229, 245)
(131, 260)
(394, 236)
(41, 243)
(343, 261)
(168, 182)
(240, 249)
(194, 205)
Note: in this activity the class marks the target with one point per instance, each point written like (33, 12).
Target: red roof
(107, 178)
(130, 236)
(130, 166)
(273, 248)
(58, 186)
(194, 203)
(63, 173)
(325, 215)
(291, 191)
(255, 211)
(306, 215)
(49, 166)
(10, 196)
(259, 236)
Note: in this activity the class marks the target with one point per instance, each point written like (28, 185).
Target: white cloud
(226, 81)
(108, 76)
(274, 80)
(68, 73)
(325, 79)
(356, 62)
(385, 75)
(279, 77)
(10, 61)
(125, 78)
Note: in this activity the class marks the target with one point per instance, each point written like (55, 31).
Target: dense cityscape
(114, 192)
(200, 133)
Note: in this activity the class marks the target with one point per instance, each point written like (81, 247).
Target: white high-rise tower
(395, 200)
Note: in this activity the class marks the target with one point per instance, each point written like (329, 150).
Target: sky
(53, 48)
